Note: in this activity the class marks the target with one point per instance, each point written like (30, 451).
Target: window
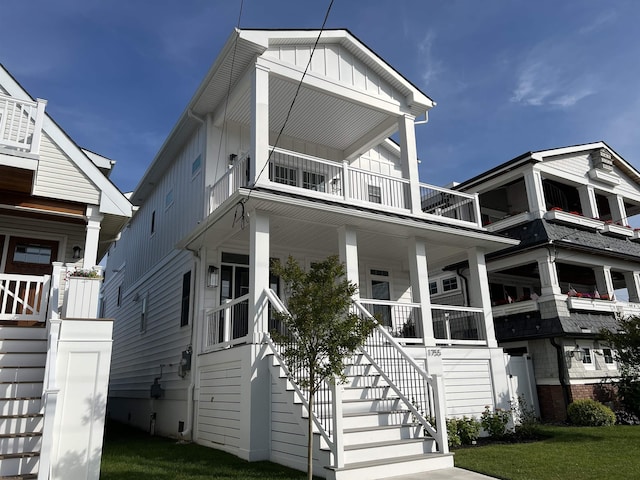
(313, 181)
(143, 314)
(608, 356)
(25, 253)
(195, 166)
(449, 284)
(119, 296)
(168, 199)
(433, 288)
(153, 222)
(285, 175)
(375, 194)
(186, 299)
(586, 355)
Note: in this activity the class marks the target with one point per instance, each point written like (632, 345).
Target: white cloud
(600, 22)
(432, 67)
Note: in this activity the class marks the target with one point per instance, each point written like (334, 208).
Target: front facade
(576, 269)
(245, 178)
(58, 214)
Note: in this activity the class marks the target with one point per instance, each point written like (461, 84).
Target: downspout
(562, 371)
(187, 433)
(465, 288)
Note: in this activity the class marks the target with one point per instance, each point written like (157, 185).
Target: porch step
(20, 373)
(381, 433)
(370, 392)
(20, 389)
(27, 332)
(24, 359)
(360, 405)
(363, 452)
(18, 424)
(19, 345)
(20, 442)
(19, 464)
(376, 419)
(19, 406)
(390, 467)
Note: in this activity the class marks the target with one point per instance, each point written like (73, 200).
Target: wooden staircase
(23, 352)
(380, 436)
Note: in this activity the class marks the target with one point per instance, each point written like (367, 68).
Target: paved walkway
(444, 474)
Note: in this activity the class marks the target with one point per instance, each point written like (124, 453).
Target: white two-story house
(247, 175)
(576, 269)
(59, 212)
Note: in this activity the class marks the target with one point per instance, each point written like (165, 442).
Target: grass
(587, 453)
(130, 454)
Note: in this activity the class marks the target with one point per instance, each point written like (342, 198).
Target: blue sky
(508, 76)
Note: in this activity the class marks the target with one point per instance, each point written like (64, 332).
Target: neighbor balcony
(21, 124)
(340, 182)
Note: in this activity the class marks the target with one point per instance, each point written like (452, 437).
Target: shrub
(452, 432)
(589, 413)
(626, 418)
(527, 422)
(495, 423)
(468, 430)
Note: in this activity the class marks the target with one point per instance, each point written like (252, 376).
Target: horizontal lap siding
(59, 177)
(219, 404)
(468, 386)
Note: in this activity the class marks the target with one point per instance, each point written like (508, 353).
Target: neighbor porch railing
(343, 182)
(24, 297)
(21, 123)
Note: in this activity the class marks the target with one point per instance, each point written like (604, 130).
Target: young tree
(626, 343)
(321, 330)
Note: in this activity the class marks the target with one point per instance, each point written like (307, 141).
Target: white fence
(21, 123)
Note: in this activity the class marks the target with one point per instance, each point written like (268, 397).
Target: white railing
(340, 181)
(24, 297)
(458, 325)
(21, 123)
(227, 324)
(402, 320)
(421, 393)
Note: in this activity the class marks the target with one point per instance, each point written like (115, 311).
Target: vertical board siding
(58, 177)
(468, 386)
(338, 64)
(380, 160)
(138, 247)
(137, 355)
(219, 404)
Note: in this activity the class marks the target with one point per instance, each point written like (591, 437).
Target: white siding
(288, 437)
(575, 167)
(468, 386)
(219, 404)
(627, 187)
(338, 64)
(58, 177)
(380, 160)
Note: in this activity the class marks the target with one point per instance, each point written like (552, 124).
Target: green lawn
(585, 453)
(133, 455)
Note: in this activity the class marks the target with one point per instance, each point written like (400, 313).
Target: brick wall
(552, 406)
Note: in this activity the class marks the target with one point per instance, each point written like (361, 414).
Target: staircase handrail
(430, 380)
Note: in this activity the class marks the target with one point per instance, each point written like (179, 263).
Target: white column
(409, 159)
(618, 212)
(259, 126)
(258, 272)
(535, 193)
(479, 291)
(37, 128)
(420, 287)
(604, 282)
(94, 218)
(588, 201)
(549, 283)
(348, 248)
(632, 280)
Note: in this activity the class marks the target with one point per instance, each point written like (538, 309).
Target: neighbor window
(285, 175)
(313, 181)
(153, 222)
(195, 166)
(608, 356)
(586, 355)
(186, 299)
(433, 288)
(168, 199)
(449, 284)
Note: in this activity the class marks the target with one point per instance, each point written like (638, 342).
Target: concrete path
(444, 474)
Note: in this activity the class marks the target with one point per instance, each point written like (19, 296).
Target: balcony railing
(340, 181)
(226, 324)
(21, 123)
(401, 320)
(458, 325)
(24, 297)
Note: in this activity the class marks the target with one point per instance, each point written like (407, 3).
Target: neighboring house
(577, 266)
(242, 180)
(58, 212)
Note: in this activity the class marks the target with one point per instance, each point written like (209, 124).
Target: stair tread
(25, 415)
(19, 398)
(387, 443)
(20, 435)
(386, 461)
(26, 476)
(379, 427)
(5, 456)
(22, 381)
(375, 412)
(375, 399)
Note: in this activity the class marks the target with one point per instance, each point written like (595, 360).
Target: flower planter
(81, 299)
(574, 219)
(617, 230)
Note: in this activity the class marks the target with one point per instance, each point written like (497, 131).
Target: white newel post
(82, 375)
(81, 299)
(94, 218)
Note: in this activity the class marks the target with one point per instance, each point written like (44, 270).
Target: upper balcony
(318, 178)
(21, 124)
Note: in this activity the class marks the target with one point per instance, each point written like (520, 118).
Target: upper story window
(196, 166)
(39, 254)
(153, 222)
(375, 193)
(168, 199)
(313, 181)
(586, 356)
(607, 353)
(449, 284)
(285, 175)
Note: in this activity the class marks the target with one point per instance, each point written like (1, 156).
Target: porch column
(419, 275)
(535, 193)
(479, 291)
(588, 201)
(549, 283)
(618, 212)
(94, 218)
(259, 126)
(632, 280)
(348, 248)
(604, 282)
(258, 272)
(409, 159)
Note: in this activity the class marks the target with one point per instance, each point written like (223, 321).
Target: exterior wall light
(77, 252)
(577, 353)
(212, 276)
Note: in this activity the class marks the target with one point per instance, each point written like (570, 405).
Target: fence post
(338, 440)
(476, 204)
(345, 180)
(440, 412)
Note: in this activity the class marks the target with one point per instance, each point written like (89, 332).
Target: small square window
(449, 284)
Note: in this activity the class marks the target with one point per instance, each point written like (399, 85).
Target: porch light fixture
(212, 276)
(77, 252)
(577, 353)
